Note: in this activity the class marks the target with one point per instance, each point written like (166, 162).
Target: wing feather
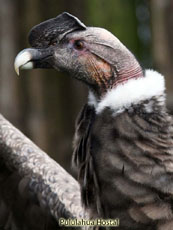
(34, 190)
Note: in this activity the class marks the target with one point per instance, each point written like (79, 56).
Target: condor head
(90, 54)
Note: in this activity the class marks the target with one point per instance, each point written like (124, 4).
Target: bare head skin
(92, 55)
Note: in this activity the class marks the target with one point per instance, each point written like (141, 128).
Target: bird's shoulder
(134, 130)
(133, 157)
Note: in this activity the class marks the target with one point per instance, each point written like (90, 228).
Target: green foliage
(119, 17)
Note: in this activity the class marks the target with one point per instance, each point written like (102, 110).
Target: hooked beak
(41, 55)
(23, 61)
(31, 59)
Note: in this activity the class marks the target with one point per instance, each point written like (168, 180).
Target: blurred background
(43, 104)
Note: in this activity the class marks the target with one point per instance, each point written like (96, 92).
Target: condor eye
(79, 45)
(52, 42)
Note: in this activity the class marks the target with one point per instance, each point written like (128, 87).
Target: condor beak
(31, 58)
(24, 60)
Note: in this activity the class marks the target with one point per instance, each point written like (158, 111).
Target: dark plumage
(123, 144)
(34, 190)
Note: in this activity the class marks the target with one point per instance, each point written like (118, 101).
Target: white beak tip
(23, 61)
(17, 71)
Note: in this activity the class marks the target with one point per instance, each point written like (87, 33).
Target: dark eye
(79, 45)
(52, 42)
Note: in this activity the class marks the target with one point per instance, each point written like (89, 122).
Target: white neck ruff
(134, 91)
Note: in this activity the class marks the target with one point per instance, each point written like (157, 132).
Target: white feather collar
(134, 91)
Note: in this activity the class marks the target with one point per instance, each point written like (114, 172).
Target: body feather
(132, 159)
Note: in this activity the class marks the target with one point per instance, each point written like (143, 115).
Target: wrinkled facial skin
(74, 54)
(92, 55)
